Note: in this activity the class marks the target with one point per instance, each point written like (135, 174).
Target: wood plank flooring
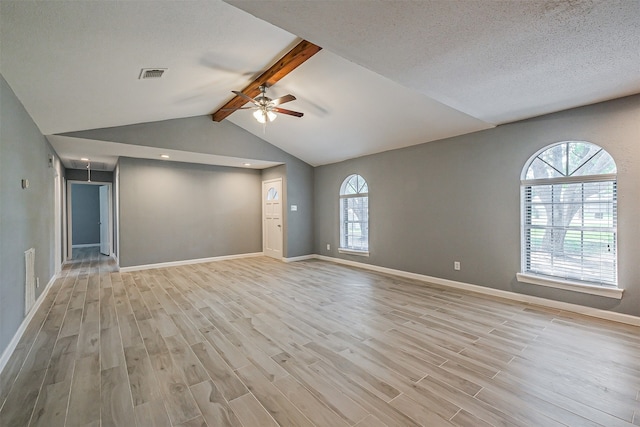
(257, 342)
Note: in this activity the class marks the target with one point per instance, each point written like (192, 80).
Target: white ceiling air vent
(151, 73)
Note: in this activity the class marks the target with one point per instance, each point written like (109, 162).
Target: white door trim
(105, 230)
(116, 212)
(57, 215)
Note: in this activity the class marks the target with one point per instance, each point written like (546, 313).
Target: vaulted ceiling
(390, 74)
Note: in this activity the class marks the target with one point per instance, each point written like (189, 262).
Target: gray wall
(202, 135)
(176, 211)
(299, 190)
(85, 212)
(26, 216)
(459, 200)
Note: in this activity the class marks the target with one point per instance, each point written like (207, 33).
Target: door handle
(279, 225)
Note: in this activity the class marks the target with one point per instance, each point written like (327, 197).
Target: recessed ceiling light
(164, 156)
(84, 159)
(246, 164)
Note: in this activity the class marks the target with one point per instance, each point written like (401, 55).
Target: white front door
(272, 218)
(105, 248)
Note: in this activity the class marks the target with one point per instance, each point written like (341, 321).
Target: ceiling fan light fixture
(263, 115)
(259, 115)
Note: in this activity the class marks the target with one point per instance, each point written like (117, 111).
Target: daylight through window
(354, 214)
(569, 214)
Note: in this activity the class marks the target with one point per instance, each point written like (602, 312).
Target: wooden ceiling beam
(289, 62)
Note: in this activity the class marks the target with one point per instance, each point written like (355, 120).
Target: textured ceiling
(498, 61)
(391, 73)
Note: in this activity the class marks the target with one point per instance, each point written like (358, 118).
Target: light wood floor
(257, 342)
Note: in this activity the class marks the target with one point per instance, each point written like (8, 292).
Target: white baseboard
(299, 258)
(188, 262)
(587, 311)
(6, 354)
(88, 245)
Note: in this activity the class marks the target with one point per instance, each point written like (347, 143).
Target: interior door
(105, 248)
(272, 213)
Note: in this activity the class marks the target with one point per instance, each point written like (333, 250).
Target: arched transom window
(569, 214)
(272, 194)
(354, 214)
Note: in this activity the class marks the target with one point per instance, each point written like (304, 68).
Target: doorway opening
(89, 220)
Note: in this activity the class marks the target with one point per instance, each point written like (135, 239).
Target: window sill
(568, 285)
(353, 252)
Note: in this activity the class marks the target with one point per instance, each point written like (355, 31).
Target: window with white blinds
(569, 214)
(354, 214)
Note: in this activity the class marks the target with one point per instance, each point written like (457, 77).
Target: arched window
(569, 214)
(354, 215)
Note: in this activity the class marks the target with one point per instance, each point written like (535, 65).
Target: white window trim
(353, 252)
(610, 291)
(347, 250)
(570, 285)
(570, 179)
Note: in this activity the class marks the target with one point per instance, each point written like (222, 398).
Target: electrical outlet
(456, 265)
(37, 282)
(328, 247)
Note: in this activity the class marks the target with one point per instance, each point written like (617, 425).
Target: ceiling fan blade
(283, 99)
(246, 97)
(240, 108)
(289, 112)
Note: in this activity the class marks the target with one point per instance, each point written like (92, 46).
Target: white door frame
(264, 220)
(105, 230)
(70, 220)
(116, 212)
(64, 219)
(57, 215)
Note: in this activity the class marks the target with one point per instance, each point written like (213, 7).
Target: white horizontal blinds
(570, 231)
(569, 210)
(354, 214)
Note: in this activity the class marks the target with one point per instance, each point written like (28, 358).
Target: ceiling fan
(258, 88)
(266, 108)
